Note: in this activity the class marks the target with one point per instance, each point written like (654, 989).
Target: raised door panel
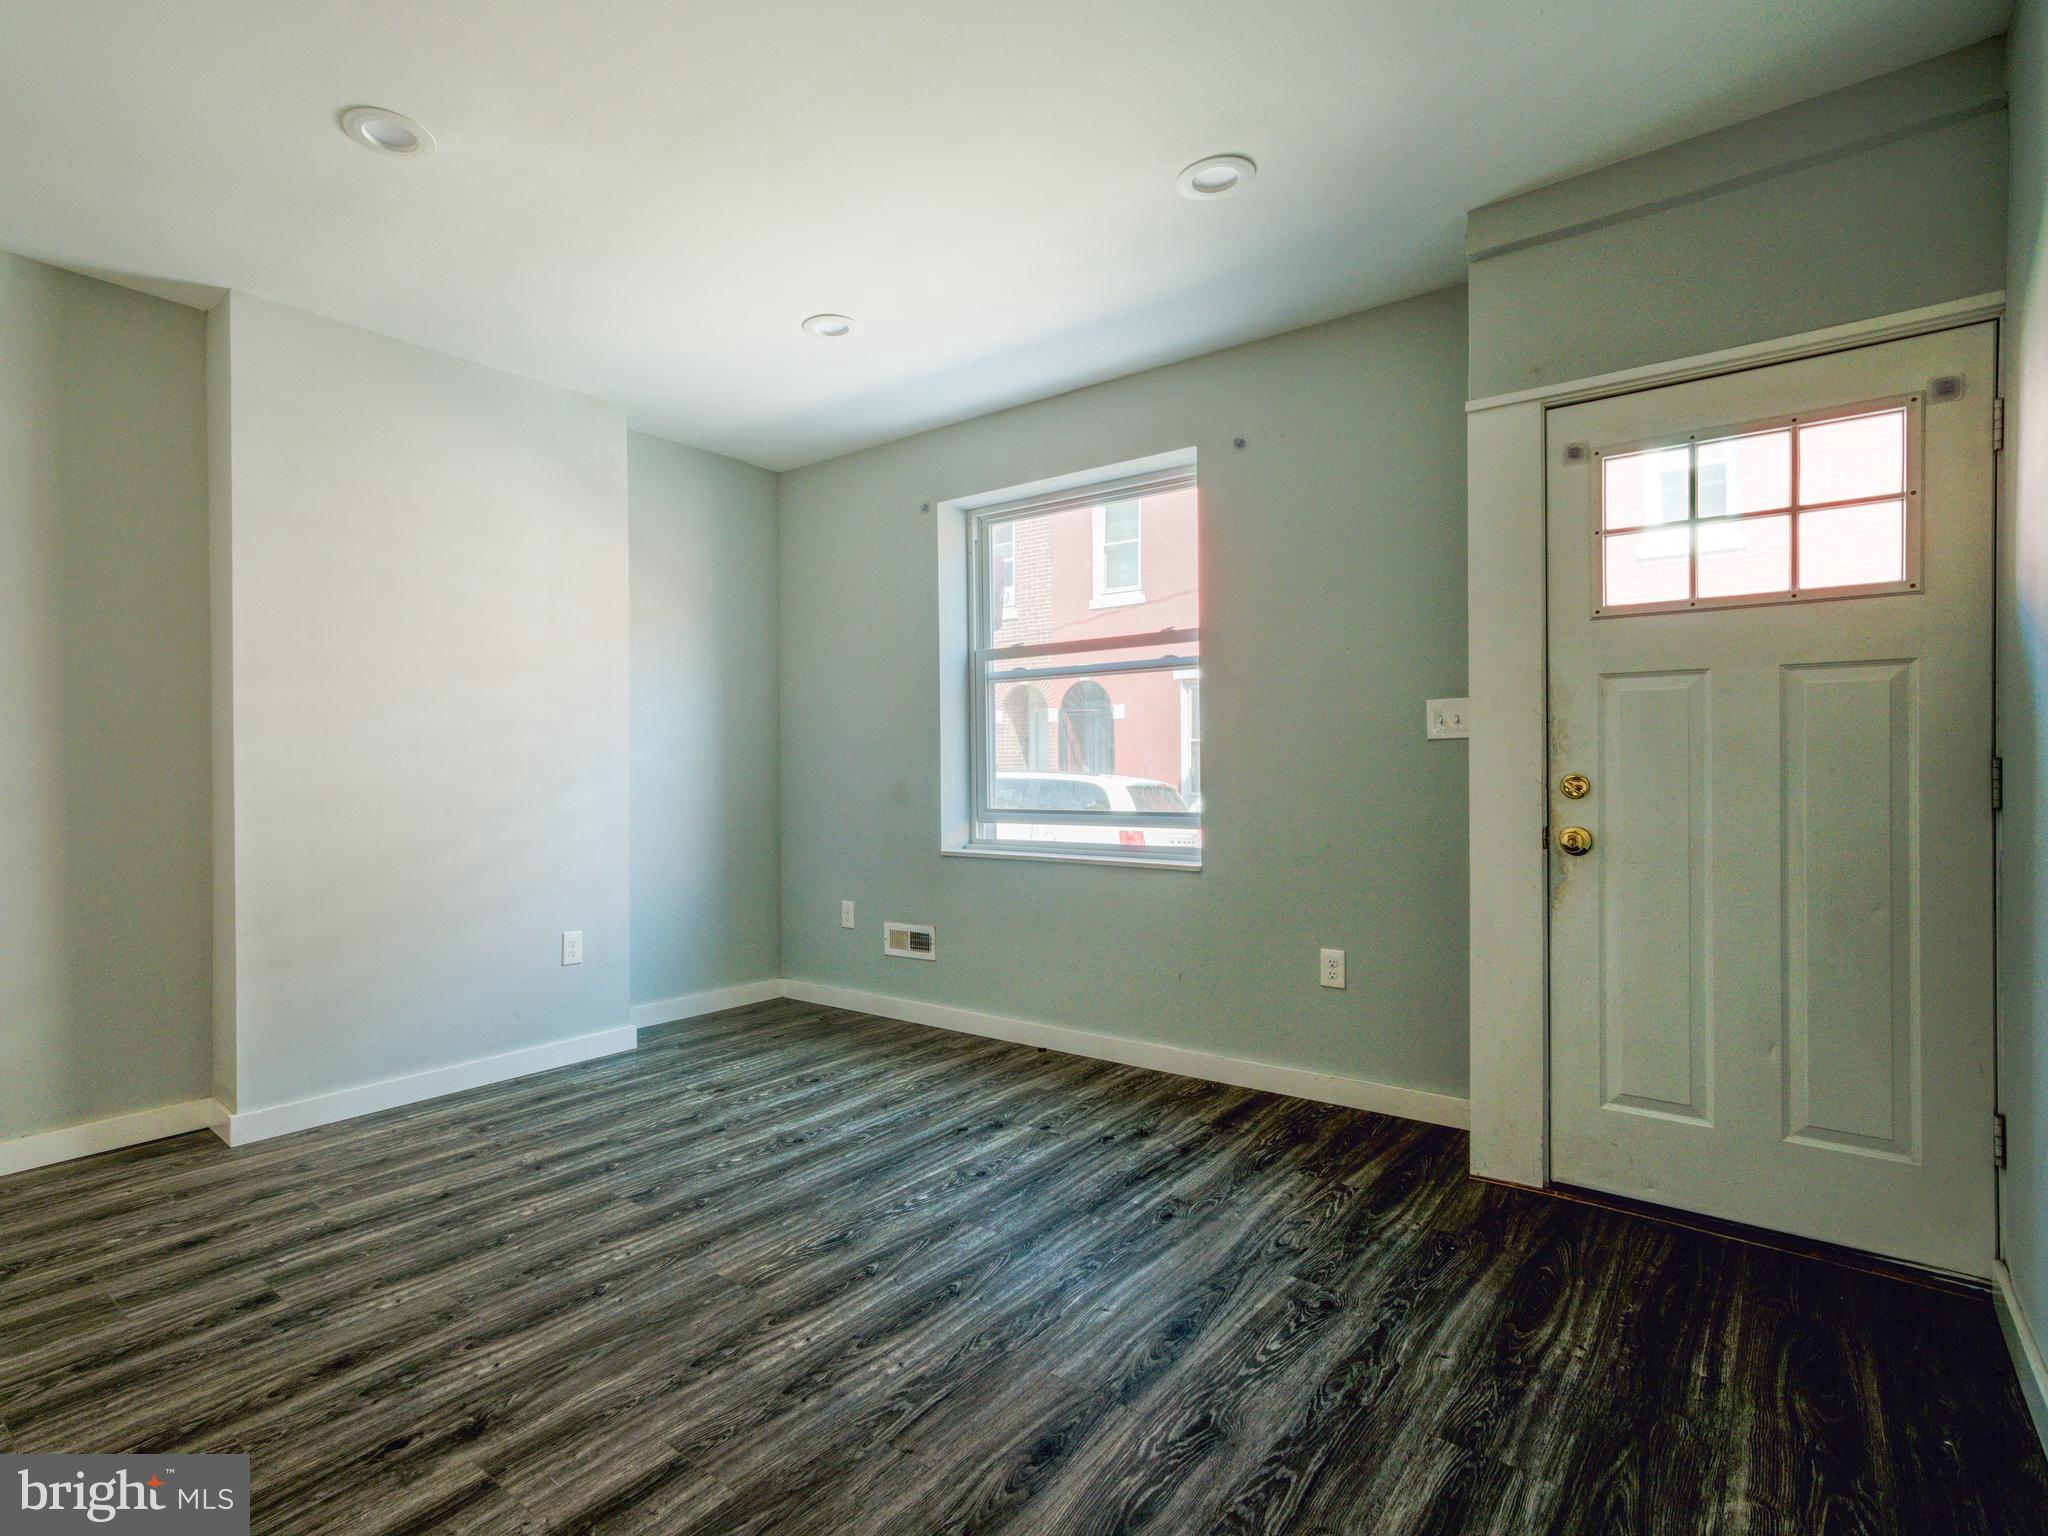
(1652, 845)
(1851, 1028)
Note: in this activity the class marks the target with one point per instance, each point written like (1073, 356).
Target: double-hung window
(1085, 654)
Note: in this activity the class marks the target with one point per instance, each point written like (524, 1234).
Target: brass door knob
(1575, 786)
(1575, 841)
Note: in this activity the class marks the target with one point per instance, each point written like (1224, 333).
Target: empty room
(1055, 768)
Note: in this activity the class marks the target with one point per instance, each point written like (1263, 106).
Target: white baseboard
(2026, 1349)
(1323, 1087)
(245, 1126)
(691, 1005)
(260, 1124)
(21, 1153)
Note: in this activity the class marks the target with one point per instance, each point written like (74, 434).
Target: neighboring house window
(1087, 730)
(1084, 643)
(1003, 548)
(1191, 738)
(1120, 552)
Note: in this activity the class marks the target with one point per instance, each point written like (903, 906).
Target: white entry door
(1770, 797)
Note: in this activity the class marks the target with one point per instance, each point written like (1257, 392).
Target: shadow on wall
(705, 857)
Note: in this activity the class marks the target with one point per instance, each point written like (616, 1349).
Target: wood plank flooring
(797, 1270)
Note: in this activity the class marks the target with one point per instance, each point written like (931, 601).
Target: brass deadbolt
(1575, 841)
(1575, 786)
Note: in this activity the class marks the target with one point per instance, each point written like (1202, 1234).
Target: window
(1003, 551)
(1119, 552)
(1814, 506)
(1081, 676)
(1191, 738)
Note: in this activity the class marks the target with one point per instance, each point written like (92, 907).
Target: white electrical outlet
(572, 947)
(1447, 719)
(1332, 971)
(846, 914)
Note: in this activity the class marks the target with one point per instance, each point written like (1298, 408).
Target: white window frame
(1107, 596)
(1909, 495)
(1051, 662)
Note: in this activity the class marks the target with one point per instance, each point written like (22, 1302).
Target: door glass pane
(1852, 458)
(1746, 474)
(1752, 554)
(1648, 567)
(1639, 489)
(1853, 546)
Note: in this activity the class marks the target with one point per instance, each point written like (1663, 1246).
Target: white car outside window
(1108, 794)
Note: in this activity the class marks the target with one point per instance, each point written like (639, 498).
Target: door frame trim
(1506, 524)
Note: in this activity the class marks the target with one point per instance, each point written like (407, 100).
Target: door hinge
(1998, 423)
(1998, 1140)
(1997, 783)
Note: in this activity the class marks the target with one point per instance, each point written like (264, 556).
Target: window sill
(1103, 860)
(1116, 599)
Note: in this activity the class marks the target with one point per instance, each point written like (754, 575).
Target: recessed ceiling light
(388, 133)
(1216, 175)
(831, 327)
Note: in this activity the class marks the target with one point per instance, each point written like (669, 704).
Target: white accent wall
(425, 566)
(103, 702)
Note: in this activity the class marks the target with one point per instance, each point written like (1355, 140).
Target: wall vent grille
(910, 941)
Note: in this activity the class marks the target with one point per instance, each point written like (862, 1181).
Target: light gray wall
(1886, 196)
(1333, 605)
(2023, 685)
(706, 892)
(104, 908)
(427, 567)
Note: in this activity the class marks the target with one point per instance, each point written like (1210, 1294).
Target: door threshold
(1777, 1242)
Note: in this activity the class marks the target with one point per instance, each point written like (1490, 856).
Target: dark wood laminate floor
(794, 1270)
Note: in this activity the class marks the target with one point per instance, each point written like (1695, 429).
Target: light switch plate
(1447, 719)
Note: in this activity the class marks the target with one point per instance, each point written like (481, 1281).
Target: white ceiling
(642, 198)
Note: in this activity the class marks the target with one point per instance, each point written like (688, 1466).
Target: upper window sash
(987, 605)
(1124, 489)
